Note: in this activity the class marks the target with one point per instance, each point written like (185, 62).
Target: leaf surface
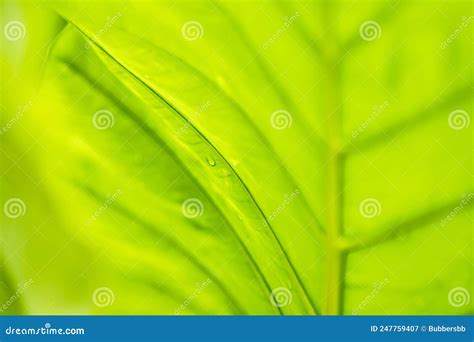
(279, 208)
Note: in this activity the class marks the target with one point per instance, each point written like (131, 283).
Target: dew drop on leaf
(211, 161)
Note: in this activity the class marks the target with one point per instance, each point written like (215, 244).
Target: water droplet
(211, 161)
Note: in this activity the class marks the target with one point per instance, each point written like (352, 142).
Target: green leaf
(226, 157)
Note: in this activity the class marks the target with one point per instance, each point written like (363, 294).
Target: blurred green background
(236, 157)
